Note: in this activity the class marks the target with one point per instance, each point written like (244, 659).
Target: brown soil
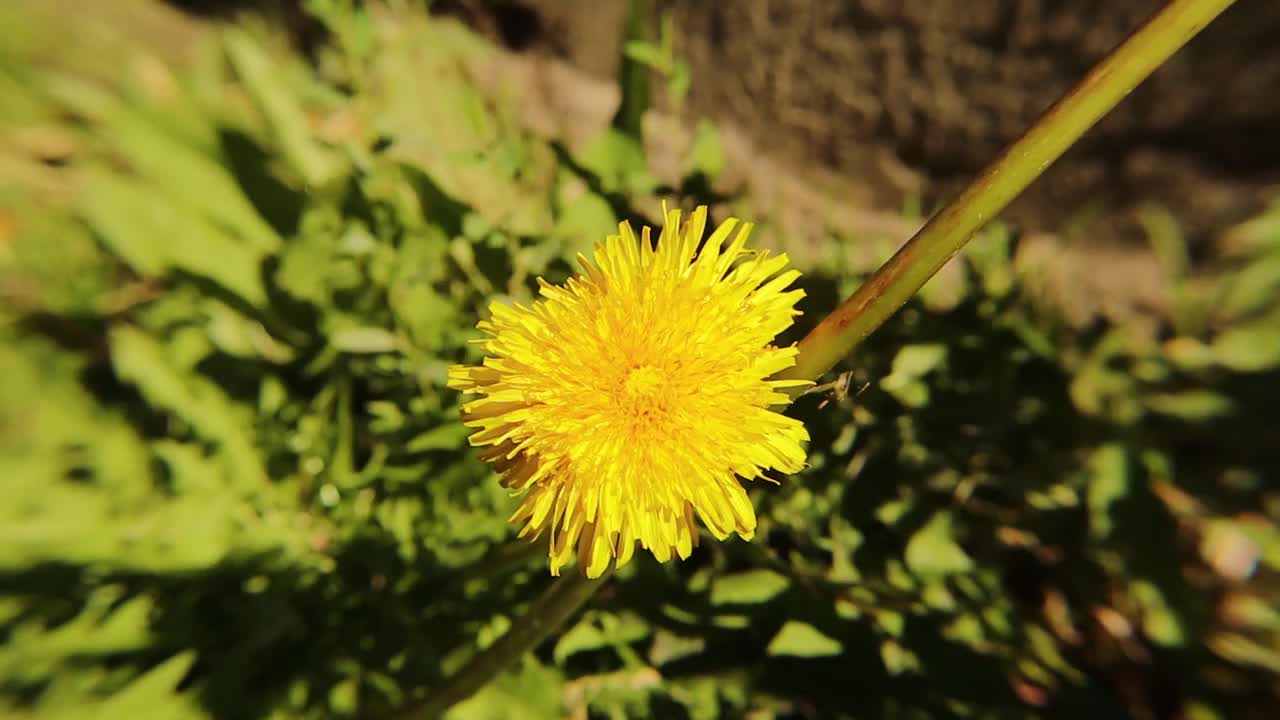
(803, 207)
(913, 96)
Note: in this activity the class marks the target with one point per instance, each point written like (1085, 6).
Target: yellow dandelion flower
(633, 398)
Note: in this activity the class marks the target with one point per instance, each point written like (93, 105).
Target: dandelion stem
(544, 616)
(995, 187)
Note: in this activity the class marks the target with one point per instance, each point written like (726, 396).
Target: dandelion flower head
(636, 397)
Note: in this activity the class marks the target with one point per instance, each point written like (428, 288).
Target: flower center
(642, 383)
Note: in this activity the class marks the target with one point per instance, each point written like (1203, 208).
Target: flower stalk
(890, 287)
(836, 336)
(543, 617)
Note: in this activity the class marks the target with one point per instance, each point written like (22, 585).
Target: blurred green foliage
(236, 486)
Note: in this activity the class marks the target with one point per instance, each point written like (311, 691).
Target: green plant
(237, 487)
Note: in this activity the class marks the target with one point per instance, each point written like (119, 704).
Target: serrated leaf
(154, 696)
(799, 639)
(123, 629)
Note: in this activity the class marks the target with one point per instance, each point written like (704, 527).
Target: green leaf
(78, 95)
(154, 696)
(233, 333)
(633, 73)
(646, 53)
(898, 658)
(747, 588)
(139, 359)
(1246, 651)
(425, 315)
(700, 695)
(706, 155)
(278, 105)
(912, 393)
(912, 363)
(154, 236)
(1108, 482)
(1188, 353)
(945, 290)
(1160, 621)
(618, 160)
(798, 639)
(365, 340)
(304, 267)
(933, 550)
(204, 184)
(679, 82)
(582, 221)
(1195, 405)
(119, 630)
(668, 646)
(584, 636)
(344, 697)
(1255, 287)
(531, 692)
(1252, 348)
(1165, 235)
(989, 255)
(449, 436)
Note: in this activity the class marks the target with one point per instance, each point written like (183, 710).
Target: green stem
(544, 616)
(633, 75)
(1022, 162)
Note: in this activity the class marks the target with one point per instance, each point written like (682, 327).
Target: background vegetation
(235, 485)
